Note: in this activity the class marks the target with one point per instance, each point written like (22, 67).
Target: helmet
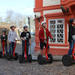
(25, 26)
(43, 22)
(4, 30)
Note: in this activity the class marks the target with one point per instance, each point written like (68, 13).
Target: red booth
(57, 23)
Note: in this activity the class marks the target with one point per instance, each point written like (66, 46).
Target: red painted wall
(39, 8)
(38, 3)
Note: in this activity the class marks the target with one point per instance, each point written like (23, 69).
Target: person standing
(25, 35)
(12, 36)
(71, 37)
(44, 35)
(4, 41)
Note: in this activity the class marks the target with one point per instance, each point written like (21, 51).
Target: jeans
(11, 47)
(71, 47)
(23, 48)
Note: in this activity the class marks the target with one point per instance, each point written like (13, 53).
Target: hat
(25, 26)
(71, 20)
(43, 22)
(12, 26)
(4, 30)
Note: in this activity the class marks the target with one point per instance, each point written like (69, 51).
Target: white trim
(59, 47)
(51, 11)
(67, 31)
(51, 2)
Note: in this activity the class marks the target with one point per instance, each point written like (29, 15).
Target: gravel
(14, 68)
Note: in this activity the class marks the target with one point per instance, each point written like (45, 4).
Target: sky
(24, 7)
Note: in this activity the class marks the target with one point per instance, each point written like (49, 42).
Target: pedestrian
(25, 35)
(44, 35)
(4, 41)
(12, 36)
(71, 37)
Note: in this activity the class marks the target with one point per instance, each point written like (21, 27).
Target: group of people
(11, 38)
(44, 35)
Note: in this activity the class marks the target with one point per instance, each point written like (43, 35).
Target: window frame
(56, 30)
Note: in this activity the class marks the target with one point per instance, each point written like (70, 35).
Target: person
(25, 35)
(4, 40)
(12, 36)
(44, 35)
(71, 37)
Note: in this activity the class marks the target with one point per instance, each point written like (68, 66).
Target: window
(57, 27)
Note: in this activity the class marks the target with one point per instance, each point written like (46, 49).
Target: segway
(68, 60)
(47, 59)
(25, 58)
(2, 53)
(14, 56)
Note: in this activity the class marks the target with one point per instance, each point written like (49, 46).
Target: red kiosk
(57, 23)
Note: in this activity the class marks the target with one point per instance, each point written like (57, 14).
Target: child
(44, 35)
(4, 40)
(12, 36)
(25, 35)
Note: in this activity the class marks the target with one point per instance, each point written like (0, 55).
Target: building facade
(57, 22)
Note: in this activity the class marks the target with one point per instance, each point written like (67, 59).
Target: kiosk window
(57, 29)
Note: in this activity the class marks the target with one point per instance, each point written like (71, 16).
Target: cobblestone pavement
(14, 68)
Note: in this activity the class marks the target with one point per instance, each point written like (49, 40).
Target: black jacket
(71, 32)
(4, 38)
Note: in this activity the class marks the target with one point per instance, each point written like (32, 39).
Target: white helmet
(43, 22)
(25, 27)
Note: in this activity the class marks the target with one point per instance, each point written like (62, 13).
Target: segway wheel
(5, 56)
(0, 54)
(40, 60)
(9, 57)
(16, 56)
(50, 58)
(67, 60)
(21, 59)
(30, 58)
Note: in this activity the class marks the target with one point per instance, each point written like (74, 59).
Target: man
(25, 35)
(44, 35)
(12, 36)
(71, 35)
